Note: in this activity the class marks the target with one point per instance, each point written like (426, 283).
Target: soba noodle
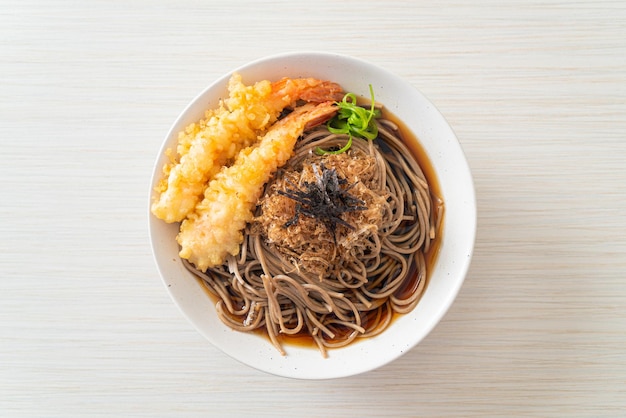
(264, 288)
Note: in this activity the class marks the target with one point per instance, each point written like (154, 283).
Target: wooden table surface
(536, 92)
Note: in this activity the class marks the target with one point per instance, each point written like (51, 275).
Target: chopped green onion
(352, 119)
(345, 148)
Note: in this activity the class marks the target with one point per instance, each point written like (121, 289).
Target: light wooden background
(536, 92)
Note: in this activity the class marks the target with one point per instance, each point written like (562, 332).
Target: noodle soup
(341, 242)
(264, 297)
(412, 286)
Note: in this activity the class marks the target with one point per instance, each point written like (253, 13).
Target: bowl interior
(449, 163)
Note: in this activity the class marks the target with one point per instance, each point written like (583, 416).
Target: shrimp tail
(286, 92)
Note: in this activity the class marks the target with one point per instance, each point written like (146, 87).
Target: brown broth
(418, 152)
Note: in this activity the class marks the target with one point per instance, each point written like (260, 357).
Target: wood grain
(536, 92)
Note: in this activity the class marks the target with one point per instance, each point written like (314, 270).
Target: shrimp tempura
(204, 147)
(215, 229)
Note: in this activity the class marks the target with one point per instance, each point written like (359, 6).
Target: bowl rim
(274, 363)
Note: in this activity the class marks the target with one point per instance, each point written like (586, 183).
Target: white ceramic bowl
(450, 165)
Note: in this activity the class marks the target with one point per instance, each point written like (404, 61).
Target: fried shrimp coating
(204, 147)
(215, 229)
